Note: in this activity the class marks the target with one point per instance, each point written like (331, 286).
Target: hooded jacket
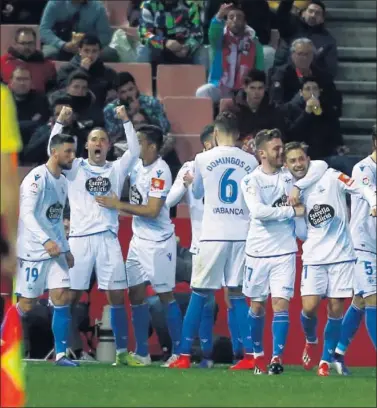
(43, 72)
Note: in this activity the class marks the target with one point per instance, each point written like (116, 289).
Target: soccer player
(182, 189)
(328, 254)
(220, 261)
(93, 234)
(153, 248)
(271, 243)
(363, 231)
(43, 252)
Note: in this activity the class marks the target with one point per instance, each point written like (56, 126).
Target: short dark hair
(89, 39)
(77, 75)
(207, 133)
(307, 79)
(100, 129)
(123, 79)
(153, 133)
(25, 30)
(374, 133)
(294, 146)
(60, 139)
(318, 3)
(227, 122)
(236, 5)
(61, 100)
(254, 75)
(266, 135)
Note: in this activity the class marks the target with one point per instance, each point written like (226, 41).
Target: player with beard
(328, 254)
(271, 243)
(93, 235)
(44, 256)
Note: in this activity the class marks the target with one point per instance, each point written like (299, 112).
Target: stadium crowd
(268, 66)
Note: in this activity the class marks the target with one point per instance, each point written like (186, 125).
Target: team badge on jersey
(346, 180)
(321, 215)
(366, 181)
(54, 212)
(157, 184)
(98, 186)
(135, 196)
(34, 188)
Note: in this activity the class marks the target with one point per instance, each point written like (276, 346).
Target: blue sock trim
(140, 321)
(119, 325)
(61, 321)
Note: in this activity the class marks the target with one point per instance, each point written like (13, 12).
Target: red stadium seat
(188, 115)
(179, 80)
(8, 32)
(142, 73)
(187, 146)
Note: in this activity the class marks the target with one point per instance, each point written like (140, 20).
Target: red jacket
(42, 70)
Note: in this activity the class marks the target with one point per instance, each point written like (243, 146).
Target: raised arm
(258, 209)
(63, 118)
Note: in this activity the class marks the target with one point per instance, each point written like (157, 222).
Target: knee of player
(115, 297)
(335, 308)
(257, 307)
(60, 297)
(310, 305)
(166, 297)
(26, 305)
(280, 305)
(137, 294)
(369, 301)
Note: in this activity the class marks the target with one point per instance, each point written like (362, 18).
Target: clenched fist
(65, 115)
(121, 113)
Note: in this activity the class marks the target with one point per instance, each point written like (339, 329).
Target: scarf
(238, 57)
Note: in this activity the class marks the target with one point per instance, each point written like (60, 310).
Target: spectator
(254, 111)
(129, 96)
(102, 79)
(32, 107)
(82, 99)
(258, 16)
(314, 122)
(170, 31)
(309, 24)
(286, 80)
(36, 151)
(235, 50)
(21, 11)
(25, 54)
(65, 22)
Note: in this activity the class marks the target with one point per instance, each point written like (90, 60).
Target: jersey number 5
(228, 189)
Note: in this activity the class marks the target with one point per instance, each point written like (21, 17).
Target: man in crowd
(32, 107)
(363, 231)
(65, 22)
(153, 248)
(217, 174)
(235, 50)
(170, 31)
(93, 236)
(134, 102)
(102, 79)
(328, 254)
(309, 24)
(24, 54)
(271, 244)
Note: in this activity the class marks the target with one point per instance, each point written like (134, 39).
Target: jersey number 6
(228, 189)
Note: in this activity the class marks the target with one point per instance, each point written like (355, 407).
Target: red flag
(12, 376)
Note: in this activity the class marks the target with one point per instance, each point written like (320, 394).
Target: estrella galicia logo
(321, 215)
(281, 202)
(54, 213)
(98, 186)
(135, 196)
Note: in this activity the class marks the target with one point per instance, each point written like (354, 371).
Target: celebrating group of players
(245, 218)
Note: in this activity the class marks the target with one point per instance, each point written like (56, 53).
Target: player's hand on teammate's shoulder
(121, 113)
(294, 196)
(110, 201)
(65, 115)
(188, 178)
(373, 211)
(299, 210)
(52, 248)
(70, 260)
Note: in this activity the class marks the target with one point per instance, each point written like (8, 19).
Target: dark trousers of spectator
(343, 164)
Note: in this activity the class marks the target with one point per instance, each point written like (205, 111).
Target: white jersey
(363, 226)
(272, 225)
(151, 181)
(217, 176)
(86, 181)
(179, 192)
(329, 239)
(42, 200)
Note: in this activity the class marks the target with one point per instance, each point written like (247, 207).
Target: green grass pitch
(100, 385)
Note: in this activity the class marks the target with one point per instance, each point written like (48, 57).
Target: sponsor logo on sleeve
(321, 215)
(366, 181)
(157, 184)
(34, 188)
(348, 181)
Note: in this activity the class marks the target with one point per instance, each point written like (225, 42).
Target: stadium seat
(188, 115)
(187, 146)
(141, 72)
(226, 104)
(8, 32)
(179, 80)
